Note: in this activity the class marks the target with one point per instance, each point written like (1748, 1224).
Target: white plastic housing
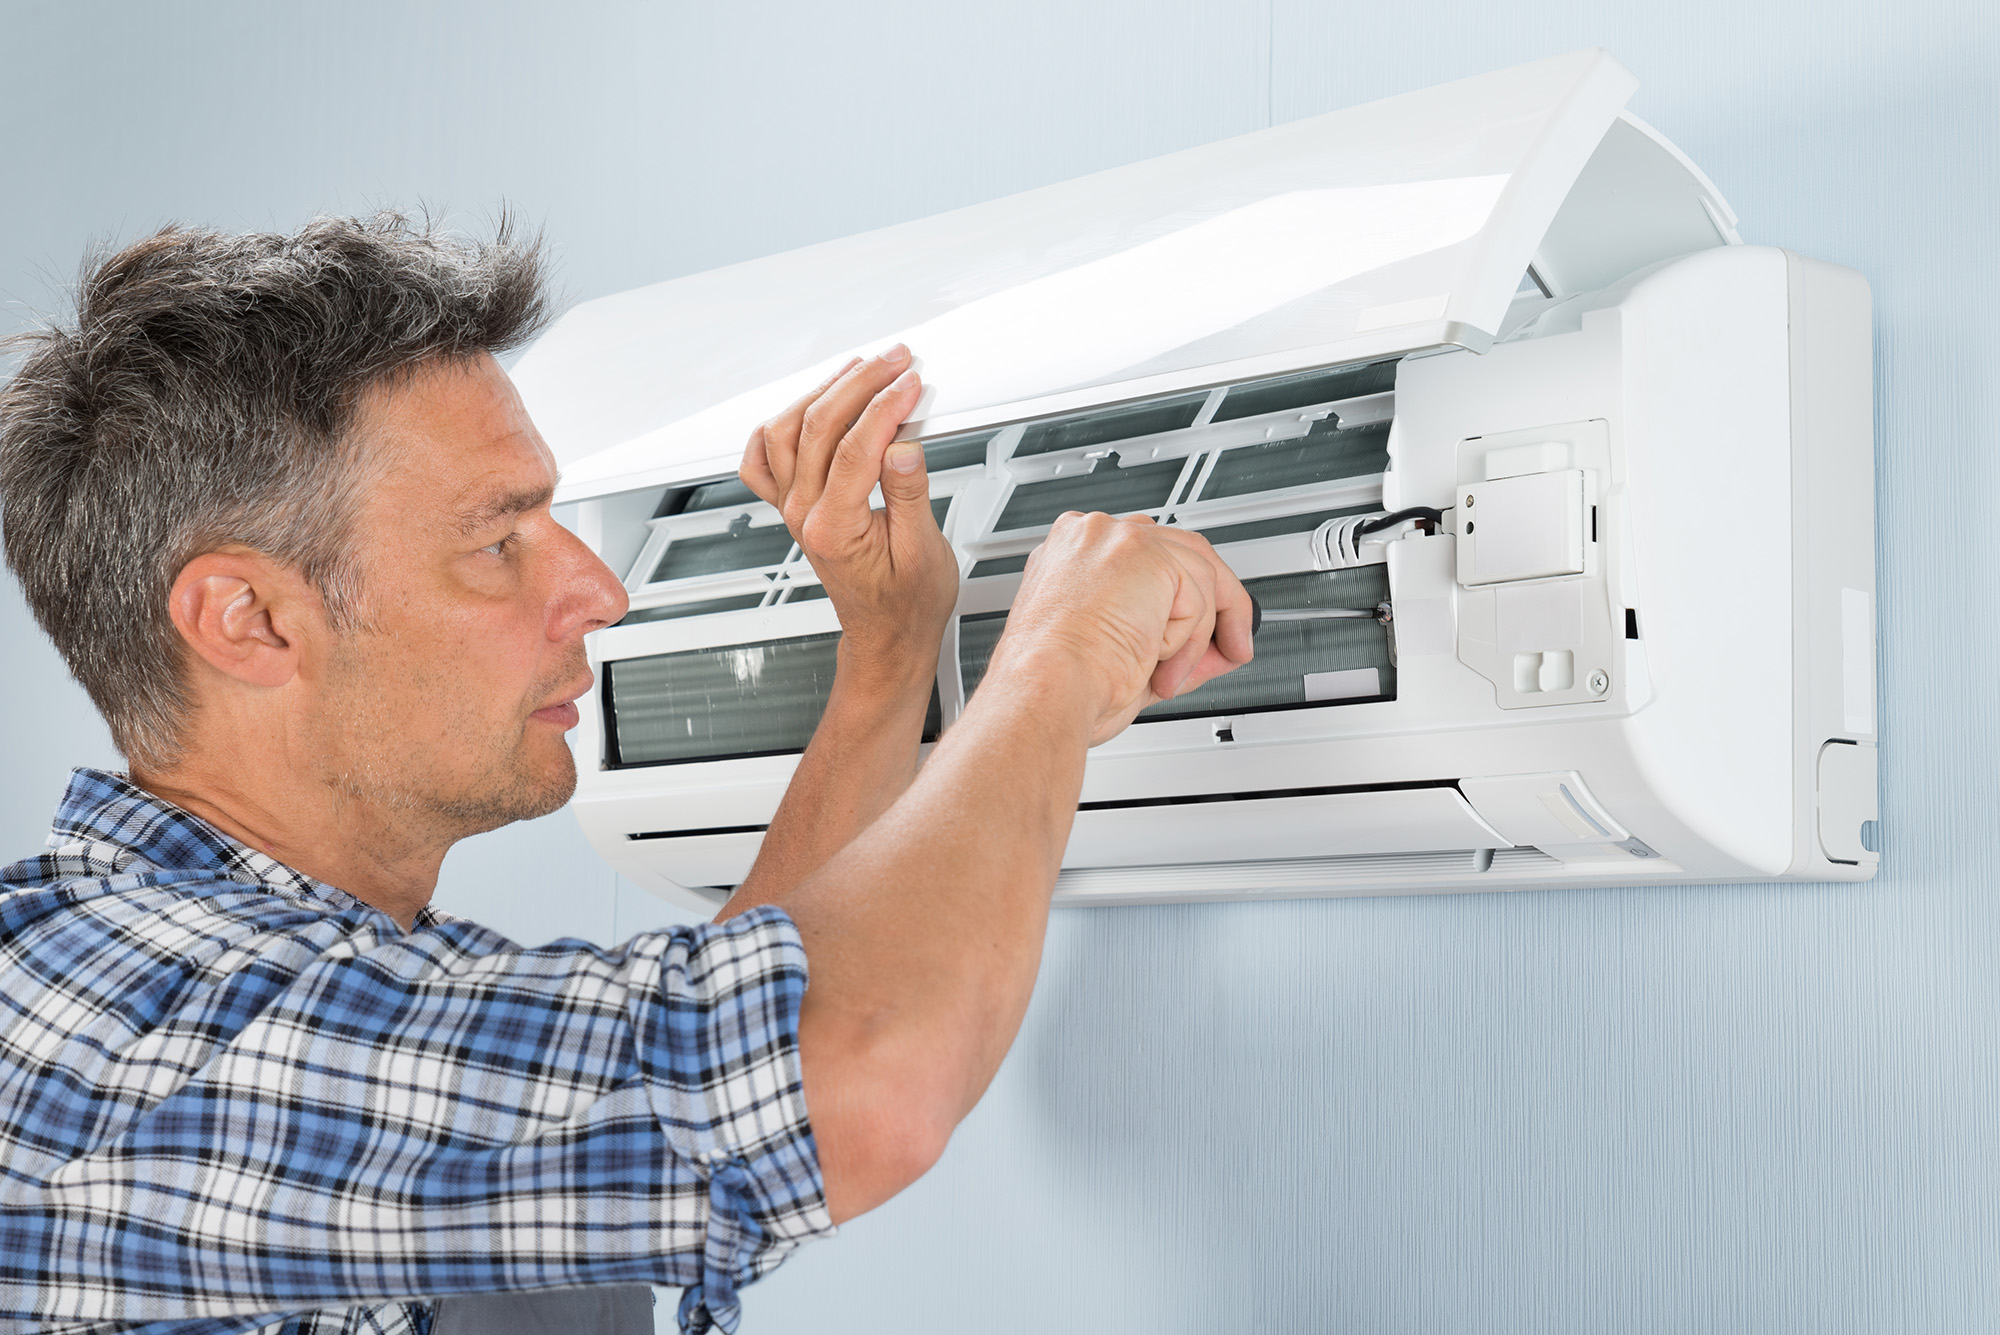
(1658, 667)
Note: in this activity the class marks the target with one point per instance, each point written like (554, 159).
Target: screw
(1600, 682)
(1468, 500)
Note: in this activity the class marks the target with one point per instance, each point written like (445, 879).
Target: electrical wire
(1427, 519)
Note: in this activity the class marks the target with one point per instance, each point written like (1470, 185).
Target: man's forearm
(925, 932)
(861, 758)
(936, 914)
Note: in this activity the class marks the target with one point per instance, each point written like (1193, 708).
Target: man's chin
(535, 788)
(549, 787)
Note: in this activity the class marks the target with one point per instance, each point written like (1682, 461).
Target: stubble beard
(480, 778)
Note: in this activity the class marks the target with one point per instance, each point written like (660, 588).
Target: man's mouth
(563, 714)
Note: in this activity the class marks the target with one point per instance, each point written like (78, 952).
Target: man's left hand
(890, 573)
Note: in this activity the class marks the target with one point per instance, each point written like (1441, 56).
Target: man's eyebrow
(494, 508)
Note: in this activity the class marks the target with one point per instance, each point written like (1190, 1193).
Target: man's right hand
(1125, 613)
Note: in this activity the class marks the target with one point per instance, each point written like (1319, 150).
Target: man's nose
(591, 596)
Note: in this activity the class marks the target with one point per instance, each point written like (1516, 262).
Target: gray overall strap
(625, 1309)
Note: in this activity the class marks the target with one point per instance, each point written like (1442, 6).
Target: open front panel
(1339, 238)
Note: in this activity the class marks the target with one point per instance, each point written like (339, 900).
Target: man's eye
(499, 548)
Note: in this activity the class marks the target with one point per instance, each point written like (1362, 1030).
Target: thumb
(906, 488)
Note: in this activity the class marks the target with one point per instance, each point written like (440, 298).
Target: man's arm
(924, 932)
(892, 578)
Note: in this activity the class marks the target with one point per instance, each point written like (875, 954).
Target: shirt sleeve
(296, 1121)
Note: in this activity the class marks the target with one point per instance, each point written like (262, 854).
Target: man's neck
(331, 836)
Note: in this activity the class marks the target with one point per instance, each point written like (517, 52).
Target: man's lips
(563, 713)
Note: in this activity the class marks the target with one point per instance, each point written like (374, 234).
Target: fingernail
(906, 457)
(899, 353)
(904, 381)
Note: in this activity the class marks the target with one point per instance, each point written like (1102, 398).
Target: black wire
(1423, 514)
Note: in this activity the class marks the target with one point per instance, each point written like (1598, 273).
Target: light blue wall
(1772, 1109)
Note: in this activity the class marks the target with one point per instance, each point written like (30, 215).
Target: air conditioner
(1635, 644)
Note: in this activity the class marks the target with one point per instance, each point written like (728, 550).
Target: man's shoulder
(64, 894)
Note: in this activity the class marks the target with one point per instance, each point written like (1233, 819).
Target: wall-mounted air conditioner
(1635, 645)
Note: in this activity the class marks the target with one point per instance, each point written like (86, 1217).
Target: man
(288, 523)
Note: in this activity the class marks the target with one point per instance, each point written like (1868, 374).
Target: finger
(1206, 662)
(781, 433)
(833, 414)
(906, 494)
(860, 463)
(1190, 626)
(755, 470)
(1232, 642)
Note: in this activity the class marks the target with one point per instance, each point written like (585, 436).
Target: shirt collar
(111, 826)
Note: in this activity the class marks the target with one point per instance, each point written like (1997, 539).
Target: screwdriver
(1258, 616)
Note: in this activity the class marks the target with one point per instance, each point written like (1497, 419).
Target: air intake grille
(1109, 487)
(1257, 397)
(1326, 454)
(1110, 424)
(739, 547)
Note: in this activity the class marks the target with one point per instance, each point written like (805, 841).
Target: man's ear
(241, 613)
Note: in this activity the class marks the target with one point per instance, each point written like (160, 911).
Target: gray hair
(203, 397)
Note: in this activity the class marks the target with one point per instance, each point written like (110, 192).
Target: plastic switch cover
(1526, 527)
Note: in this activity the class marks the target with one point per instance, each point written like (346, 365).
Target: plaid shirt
(234, 1099)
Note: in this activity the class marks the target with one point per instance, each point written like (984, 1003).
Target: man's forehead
(458, 440)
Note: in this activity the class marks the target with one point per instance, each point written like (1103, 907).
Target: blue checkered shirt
(233, 1098)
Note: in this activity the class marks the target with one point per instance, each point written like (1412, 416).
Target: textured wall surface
(1770, 1109)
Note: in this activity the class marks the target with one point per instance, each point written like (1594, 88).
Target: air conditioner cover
(1325, 318)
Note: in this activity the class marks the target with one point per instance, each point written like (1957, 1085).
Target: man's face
(450, 702)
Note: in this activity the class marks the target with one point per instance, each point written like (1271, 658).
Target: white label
(1857, 662)
(1352, 684)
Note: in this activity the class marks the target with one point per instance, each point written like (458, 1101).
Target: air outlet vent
(1298, 876)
